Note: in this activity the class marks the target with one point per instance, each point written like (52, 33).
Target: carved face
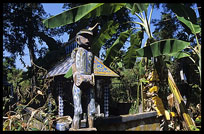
(84, 38)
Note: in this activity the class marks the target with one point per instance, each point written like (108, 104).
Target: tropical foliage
(161, 52)
(152, 48)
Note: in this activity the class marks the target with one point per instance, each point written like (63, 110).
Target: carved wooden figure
(85, 66)
(82, 70)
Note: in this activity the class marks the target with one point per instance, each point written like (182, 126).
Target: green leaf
(194, 128)
(163, 47)
(113, 50)
(198, 121)
(69, 73)
(70, 16)
(82, 12)
(187, 16)
(120, 65)
(19, 128)
(137, 7)
(141, 68)
(136, 42)
(35, 129)
(105, 34)
(144, 80)
(179, 54)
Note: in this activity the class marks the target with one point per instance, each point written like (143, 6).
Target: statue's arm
(77, 77)
(74, 71)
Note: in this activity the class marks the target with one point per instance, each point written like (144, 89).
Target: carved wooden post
(60, 100)
(106, 99)
(61, 126)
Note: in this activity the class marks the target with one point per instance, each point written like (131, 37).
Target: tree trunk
(51, 43)
(32, 58)
(31, 50)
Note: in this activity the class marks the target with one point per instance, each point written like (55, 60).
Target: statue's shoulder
(78, 48)
(81, 49)
(73, 54)
(74, 50)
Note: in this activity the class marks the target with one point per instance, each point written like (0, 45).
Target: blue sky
(56, 8)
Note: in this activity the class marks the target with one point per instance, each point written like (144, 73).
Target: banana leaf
(113, 50)
(187, 16)
(130, 56)
(82, 12)
(180, 54)
(105, 34)
(137, 7)
(163, 47)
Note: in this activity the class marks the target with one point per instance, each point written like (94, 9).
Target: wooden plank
(83, 129)
(147, 121)
(127, 118)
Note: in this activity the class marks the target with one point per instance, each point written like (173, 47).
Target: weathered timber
(83, 129)
(147, 121)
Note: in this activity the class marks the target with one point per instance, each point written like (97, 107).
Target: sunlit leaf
(179, 54)
(34, 129)
(105, 34)
(137, 7)
(69, 73)
(187, 16)
(40, 92)
(114, 49)
(163, 47)
(83, 11)
(136, 42)
(144, 80)
(141, 68)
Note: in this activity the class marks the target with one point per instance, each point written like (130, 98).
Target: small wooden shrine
(61, 87)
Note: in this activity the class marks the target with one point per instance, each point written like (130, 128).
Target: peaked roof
(102, 70)
(61, 68)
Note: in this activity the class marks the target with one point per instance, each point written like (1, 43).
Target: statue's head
(84, 38)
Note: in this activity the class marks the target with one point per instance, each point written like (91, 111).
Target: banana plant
(105, 34)
(188, 17)
(97, 9)
(138, 9)
(152, 48)
(113, 50)
(162, 47)
(136, 42)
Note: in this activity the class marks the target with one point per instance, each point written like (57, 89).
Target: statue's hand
(79, 78)
(92, 82)
(76, 78)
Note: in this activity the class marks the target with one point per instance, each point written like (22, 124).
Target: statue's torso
(84, 61)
